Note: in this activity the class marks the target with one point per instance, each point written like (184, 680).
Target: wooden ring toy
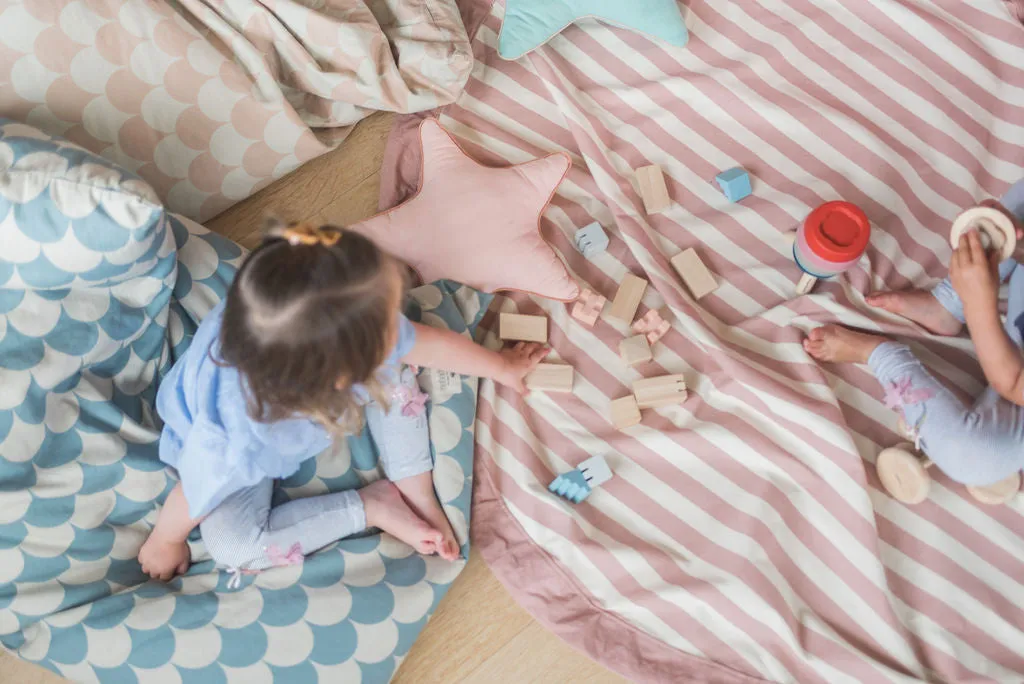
(903, 474)
(998, 493)
(995, 228)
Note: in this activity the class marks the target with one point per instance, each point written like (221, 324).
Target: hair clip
(305, 233)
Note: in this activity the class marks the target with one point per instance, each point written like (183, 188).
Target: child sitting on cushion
(978, 445)
(310, 333)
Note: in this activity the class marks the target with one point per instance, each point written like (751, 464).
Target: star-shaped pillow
(529, 24)
(476, 224)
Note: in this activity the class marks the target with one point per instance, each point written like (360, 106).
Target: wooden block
(625, 413)
(525, 328)
(651, 185)
(698, 279)
(551, 377)
(635, 350)
(588, 307)
(658, 392)
(627, 299)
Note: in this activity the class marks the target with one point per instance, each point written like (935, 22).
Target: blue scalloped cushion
(100, 290)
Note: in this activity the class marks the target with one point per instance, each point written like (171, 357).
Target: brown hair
(311, 310)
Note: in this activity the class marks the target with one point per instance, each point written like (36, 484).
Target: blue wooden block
(735, 183)
(591, 239)
(576, 485)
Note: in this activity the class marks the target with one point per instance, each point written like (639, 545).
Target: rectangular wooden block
(658, 392)
(551, 377)
(627, 299)
(651, 184)
(635, 350)
(525, 328)
(625, 413)
(698, 279)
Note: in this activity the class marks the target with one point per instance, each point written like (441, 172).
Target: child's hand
(518, 362)
(162, 559)
(975, 274)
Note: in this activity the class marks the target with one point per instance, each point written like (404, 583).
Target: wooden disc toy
(998, 493)
(903, 474)
(995, 228)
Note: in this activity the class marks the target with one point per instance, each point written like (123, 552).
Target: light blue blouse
(208, 435)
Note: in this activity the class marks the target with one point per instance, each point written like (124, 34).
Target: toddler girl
(984, 443)
(310, 333)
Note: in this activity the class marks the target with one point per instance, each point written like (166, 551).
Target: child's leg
(977, 446)
(950, 300)
(403, 441)
(246, 532)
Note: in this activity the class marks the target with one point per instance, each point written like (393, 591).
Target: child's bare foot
(841, 345)
(418, 491)
(919, 306)
(386, 508)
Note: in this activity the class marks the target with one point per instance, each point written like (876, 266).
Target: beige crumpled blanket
(210, 100)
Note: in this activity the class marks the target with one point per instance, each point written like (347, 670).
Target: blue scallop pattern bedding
(100, 289)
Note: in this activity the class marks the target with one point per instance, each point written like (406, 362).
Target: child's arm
(975, 277)
(446, 350)
(165, 553)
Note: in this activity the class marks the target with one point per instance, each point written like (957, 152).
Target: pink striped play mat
(745, 535)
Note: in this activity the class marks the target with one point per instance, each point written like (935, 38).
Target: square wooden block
(627, 299)
(551, 377)
(651, 184)
(696, 276)
(524, 328)
(635, 350)
(625, 413)
(658, 392)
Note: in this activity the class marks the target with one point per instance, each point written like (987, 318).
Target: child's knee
(232, 550)
(972, 449)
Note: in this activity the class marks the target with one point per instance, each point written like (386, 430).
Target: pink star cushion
(476, 225)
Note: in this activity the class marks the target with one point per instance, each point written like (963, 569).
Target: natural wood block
(651, 185)
(635, 350)
(698, 279)
(525, 328)
(658, 392)
(551, 377)
(627, 299)
(625, 412)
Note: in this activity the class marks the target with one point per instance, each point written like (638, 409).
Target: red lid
(837, 231)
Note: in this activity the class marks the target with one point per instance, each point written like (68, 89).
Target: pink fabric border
(401, 165)
(539, 584)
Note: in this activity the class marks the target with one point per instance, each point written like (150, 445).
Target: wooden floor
(479, 635)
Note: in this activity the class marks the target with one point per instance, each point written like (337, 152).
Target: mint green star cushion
(531, 23)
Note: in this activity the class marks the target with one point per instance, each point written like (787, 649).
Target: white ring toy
(995, 228)
(903, 474)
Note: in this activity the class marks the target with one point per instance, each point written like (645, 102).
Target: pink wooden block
(588, 307)
(652, 325)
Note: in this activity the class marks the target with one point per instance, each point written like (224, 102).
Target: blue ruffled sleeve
(406, 341)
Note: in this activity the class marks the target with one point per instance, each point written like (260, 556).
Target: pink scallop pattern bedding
(211, 100)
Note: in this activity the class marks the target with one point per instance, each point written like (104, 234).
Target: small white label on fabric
(441, 385)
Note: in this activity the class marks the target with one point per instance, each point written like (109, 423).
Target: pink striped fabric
(745, 535)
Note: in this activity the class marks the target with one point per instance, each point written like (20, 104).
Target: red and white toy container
(830, 241)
